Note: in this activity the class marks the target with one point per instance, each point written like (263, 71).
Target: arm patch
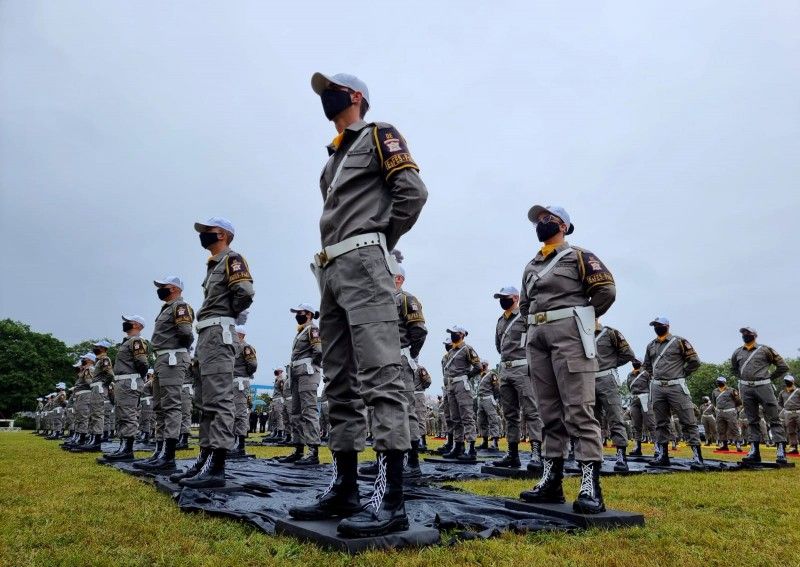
(249, 353)
(313, 336)
(393, 151)
(688, 349)
(237, 269)
(593, 271)
(183, 314)
(138, 347)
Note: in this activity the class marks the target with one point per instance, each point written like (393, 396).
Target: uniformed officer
(130, 368)
(789, 400)
(488, 394)
(187, 400)
(751, 365)
(372, 195)
(59, 403)
(276, 408)
(444, 405)
(146, 409)
(422, 381)
(228, 292)
(172, 337)
(462, 365)
(244, 367)
(708, 420)
(670, 359)
(563, 289)
(305, 377)
(613, 351)
(69, 412)
(102, 378)
(291, 434)
(640, 408)
(516, 385)
(81, 395)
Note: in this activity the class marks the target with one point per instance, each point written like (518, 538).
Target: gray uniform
(724, 401)
(422, 381)
(146, 407)
(172, 336)
(102, 377)
(59, 403)
(244, 367)
(670, 360)
(641, 408)
(789, 400)
(379, 191)
(187, 397)
(287, 406)
(276, 408)
(412, 336)
(488, 393)
(447, 423)
(751, 366)
(305, 378)
(563, 376)
(708, 420)
(613, 351)
(130, 368)
(516, 385)
(82, 395)
(461, 365)
(228, 290)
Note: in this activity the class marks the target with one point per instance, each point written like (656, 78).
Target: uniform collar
(510, 313)
(300, 328)
(664, 338)
(217, 257)
(636, 371)
(172, 302)
(346, 135)
(457, 345)
(750, 346)
(548, 249)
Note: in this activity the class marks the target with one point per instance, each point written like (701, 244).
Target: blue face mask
(334, 102)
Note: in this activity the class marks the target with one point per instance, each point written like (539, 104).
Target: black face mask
(506, 302)
(334, 102)
(788, 384)
(277, 373)
(97, 351)
(546, 230)
(748, 338)
(127, 326)
(455, 337)
(660, 330)
(208, 238)
(300, 318)
(720, 384)
(163, 293)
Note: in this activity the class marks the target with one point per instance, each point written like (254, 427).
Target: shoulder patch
(688, 348)
(237, 269)
(183, 314)
(314, 335)
(138, 347)
(593, 270)
(393, 150)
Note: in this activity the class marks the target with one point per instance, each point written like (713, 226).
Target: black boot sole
(208, 483)
(531, 499)
(394, 525)
(579, 508)
(307, 515)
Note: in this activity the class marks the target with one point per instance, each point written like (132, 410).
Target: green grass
(58, 508)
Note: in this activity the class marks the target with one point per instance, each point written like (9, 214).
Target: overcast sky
(671, 134)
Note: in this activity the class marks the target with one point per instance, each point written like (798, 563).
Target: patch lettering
(393, 151)
(237, 270)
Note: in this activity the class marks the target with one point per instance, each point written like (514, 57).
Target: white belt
(486, 398)
(239, 381)
(147, 400)
(224, 322)
(604, 373)
(189, 387)
(99, 386)
(457, 379)
(276, 400)
(288, 398)
(549, 316)
(79, 392)
(670, 382)
(514, 363)
(726, 409)
(792, 411)
(132, 377)
(58, 411)
(329, 253)
(172, 360)
(308, 362)
(756, 382)
(411, 362)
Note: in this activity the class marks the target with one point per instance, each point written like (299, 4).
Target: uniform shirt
(131, 357)
(639, 382)
(789, 399)
(173, 328)
(707, 408)
(489, 385)
(307, 344)
(228, 287)
(509, 335)
(613, 350)
(61, 400)
(579, 279)
(679, 358)
(287, 388)
(723, 399)
(378, 190)
(245, 363)
(462, 361)
(84, 379)
(103, 370)
(412, 322)
(758, 367)
(278, 386)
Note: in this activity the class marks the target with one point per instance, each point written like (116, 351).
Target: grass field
(58, 508)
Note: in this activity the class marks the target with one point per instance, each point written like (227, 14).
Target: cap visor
(200, 227)
(499, 295)
(319, 82)
(535, 211)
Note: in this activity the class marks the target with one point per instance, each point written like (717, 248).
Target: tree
(31, 364)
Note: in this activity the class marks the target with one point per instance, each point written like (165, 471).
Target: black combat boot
(125, 453)
(590, 497)
(494, 446)
(92, 445)
(204, 454)
(447, 447)
(340, 499)
(458, 450)
(661, 456)
(548, 490)
(738, 446)
(724, 447)
(535, 464)
(485, 444)
(780, 453)
(469, 454)
(237, 452)
(622, 460)
(165, 461)
(146, 439)
(637, 451)
(118, 449)
(106, 437)
(71, 442)
(411, 468)
(183, 441)
(697, 463)
(754, 456)
(385, 512)
(156, 454)
(296, 456)
(311, 459)
(511, 459)
(212, 475)
(793, 451)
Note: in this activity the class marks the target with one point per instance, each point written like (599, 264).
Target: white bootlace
(379, 489)
(547, 465)
(587, 480)
(333, 479)
(205, 467)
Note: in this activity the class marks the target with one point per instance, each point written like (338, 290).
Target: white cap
(278, 369)
(506, 291)
(320, 82)
(556, 210)
(39, 399)
(789, 378)
(240, 330)
(457, 329)
(89, 356)
(61, 386)
(134, 319)
(151, 371)
(169, 280)
(722, 379)
(750, 330)
(77, 364)
(305, 307)
(659, 321)
(218, 222)
(102, 344)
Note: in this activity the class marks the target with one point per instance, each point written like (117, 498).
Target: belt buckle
(321, 259)
(540, 318)
(507, 364)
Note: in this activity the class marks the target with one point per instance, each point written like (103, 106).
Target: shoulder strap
(361, 136)
(749, 358)
(666, 348)
(453, 357)
(791, 395)
(508, 327)
(603, 332)
(541, 273)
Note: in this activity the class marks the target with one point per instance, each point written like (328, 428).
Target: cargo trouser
(126, 401)
(146, 415)
(462, 413)
(408, 390)
(791, 423)
(710, 426)
(69, 419)
(187, 391)
(488, 418)
(276, 415)
(81, 406)
(215, 388)
(58, 419)
(287, 420)
(447, 423)
(241, 423)
(666, 398)
(421, 411)
(169, 381)
(727, 425)
(563, 382)
(97, 400)
(764, 396)
(361, 352)
(108, 416)
(305, 414)
(607, 400)
(642, 420)
(324, 419)
(519, 403)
